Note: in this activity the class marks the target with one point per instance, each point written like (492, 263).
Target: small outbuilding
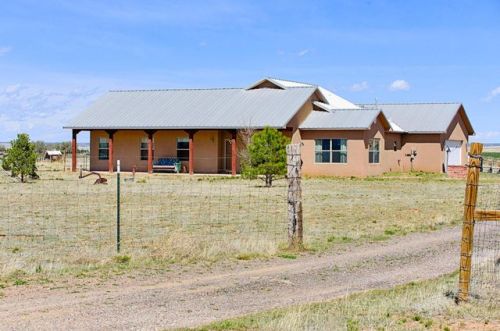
(53, 155)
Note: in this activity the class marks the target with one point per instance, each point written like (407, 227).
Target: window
(103, 149)
(374, 151)
(183, 149)
(331, 151)
(144, 148)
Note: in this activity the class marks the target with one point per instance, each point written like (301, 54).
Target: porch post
(191, 150)
(73, 149)
(233, 153)
(111, 133)
(150, 150)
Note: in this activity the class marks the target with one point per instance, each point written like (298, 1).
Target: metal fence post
(468, 225)
(118, 206)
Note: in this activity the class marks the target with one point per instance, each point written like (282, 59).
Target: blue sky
(58, 56)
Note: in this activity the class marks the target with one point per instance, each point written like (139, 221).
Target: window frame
(372, 152)
(182, 150)
(331, 151)
(103, 156)
(142, 149)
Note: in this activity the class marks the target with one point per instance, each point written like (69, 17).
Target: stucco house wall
(430, 147)
(429, 152)
(126, 148)
(355, 153)
(392, 157)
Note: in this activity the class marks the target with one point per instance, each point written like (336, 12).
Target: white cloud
(493, 93)
(303, 52)
(399, 85)
(203, 44)
(41, 112)
(4, 50)
(488, 135)
(12, 88)
(358, 87)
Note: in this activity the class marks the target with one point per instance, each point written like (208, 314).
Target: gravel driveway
(196, 295)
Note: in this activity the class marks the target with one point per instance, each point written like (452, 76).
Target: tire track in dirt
(190, 298)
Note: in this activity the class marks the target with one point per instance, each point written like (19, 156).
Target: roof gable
(344, 119)
(330, 98)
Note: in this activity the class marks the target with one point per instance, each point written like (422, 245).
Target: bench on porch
(167, 164)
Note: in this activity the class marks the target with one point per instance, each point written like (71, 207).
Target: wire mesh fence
(485, 269)
(209, 216)
(58, 222)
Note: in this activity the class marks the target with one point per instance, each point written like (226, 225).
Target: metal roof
(334, 101)
(420, 117)
(193, 109)
(345, 119)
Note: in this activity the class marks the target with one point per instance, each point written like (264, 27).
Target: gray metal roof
(193, 109)
(420, 117)
(345, 119)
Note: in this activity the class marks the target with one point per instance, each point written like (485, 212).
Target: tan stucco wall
(95, 163)
(429, 152)
(298, 118)
(357, 153)
(126, 148)
(430, 147)
(392, 156)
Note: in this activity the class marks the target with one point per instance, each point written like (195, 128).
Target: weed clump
(122, 259)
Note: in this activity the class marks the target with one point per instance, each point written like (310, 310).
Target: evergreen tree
(267, 155)
(21, 157)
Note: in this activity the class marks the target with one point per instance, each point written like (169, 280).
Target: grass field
(61, 223)
(427, 305)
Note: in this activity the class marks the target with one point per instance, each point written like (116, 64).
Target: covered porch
(197, 150)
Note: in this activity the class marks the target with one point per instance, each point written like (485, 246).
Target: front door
(227, 155)
(453, 150)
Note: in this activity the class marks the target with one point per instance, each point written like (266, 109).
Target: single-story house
(53, 155)
(199, 127)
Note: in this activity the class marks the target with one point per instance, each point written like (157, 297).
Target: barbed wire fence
(480, 247)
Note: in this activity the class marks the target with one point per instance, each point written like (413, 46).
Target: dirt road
(193, 296)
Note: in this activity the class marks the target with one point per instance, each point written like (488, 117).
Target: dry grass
(61, 223)
(416, 306)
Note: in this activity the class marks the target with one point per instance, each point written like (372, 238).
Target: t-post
(118, 206)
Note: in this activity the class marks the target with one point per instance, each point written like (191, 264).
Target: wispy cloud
(399, 85)
(358, 87)
(5, 49)
(488, 135)
(39, 111)
(203, 44)
(493, 93)
(303, 52)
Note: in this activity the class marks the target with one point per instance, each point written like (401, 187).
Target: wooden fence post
(294, 165)
(468, 225)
